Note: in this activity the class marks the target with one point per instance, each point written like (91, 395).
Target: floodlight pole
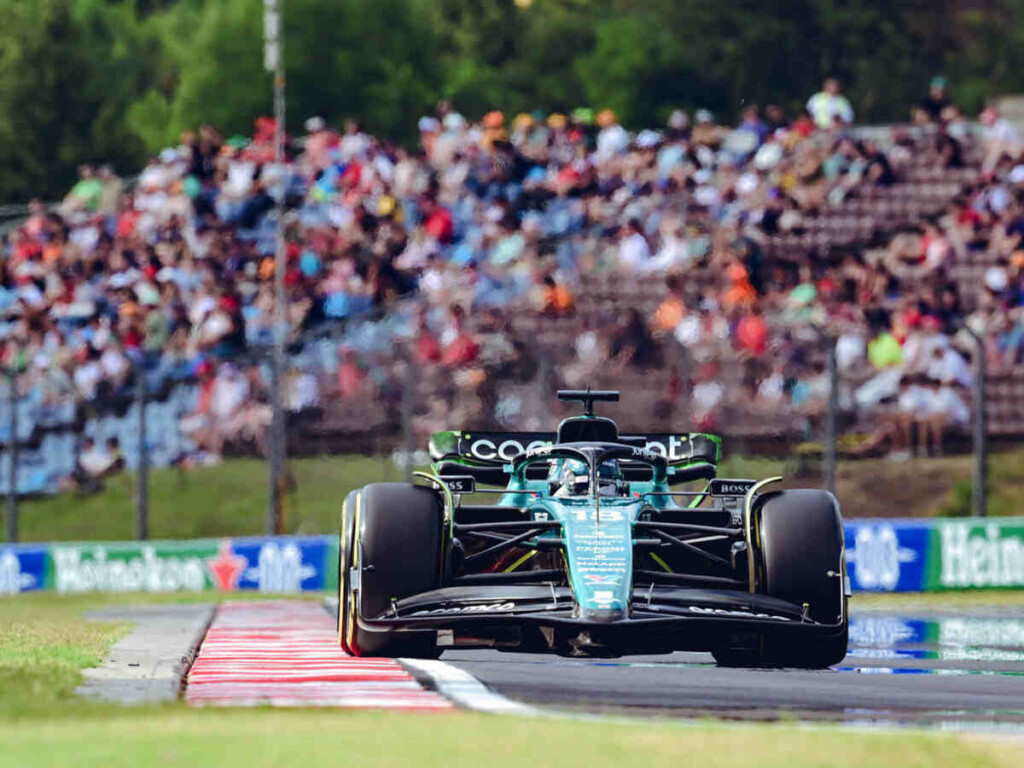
(408, 406)
(832, 417)
(142, 472)
(979, 428)
(274, 61)
(11, 508)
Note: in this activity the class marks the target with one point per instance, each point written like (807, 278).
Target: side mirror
(691, 473)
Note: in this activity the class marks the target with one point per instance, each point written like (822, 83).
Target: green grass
(915, 601)
(393, 740)
(917, 488)
(231, 499)
(44, 641)
(226, 500)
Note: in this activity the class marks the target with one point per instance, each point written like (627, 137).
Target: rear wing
(500, 448)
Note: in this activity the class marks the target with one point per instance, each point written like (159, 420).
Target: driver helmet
(609, 477)
(571, 477)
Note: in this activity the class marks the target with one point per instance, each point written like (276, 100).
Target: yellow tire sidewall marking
(355, 565)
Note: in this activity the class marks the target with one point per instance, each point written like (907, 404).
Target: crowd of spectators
(432, 256)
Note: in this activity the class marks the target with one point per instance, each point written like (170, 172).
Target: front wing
(544, 618)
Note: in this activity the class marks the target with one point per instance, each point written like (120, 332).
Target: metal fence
(372, 386)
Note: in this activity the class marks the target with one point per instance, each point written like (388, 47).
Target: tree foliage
(109, 80)
(68, 73)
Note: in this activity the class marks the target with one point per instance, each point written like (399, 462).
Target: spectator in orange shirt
(493, 130)
(672, 309)
(752, 332)
(557, 299)
(740, 292)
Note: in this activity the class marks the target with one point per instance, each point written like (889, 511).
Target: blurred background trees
(113, 80)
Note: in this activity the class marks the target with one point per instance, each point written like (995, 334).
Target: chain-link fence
(813, 395)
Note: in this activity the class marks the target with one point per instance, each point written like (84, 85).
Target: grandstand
(806, 232)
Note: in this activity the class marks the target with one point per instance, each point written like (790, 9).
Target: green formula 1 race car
(590, 551)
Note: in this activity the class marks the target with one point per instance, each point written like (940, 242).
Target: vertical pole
(142, 478)
(276, 449)
(277, 427)
(832, 418)
(544, 379)
(979, 484)
(408, 394)
(12, 460)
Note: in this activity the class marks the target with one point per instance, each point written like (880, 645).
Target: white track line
(465, 690)
(456, 685)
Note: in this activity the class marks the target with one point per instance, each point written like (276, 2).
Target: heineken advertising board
(281, 564)
(883, 556)
(931, 555)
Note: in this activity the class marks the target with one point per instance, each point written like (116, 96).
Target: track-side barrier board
(924, 555)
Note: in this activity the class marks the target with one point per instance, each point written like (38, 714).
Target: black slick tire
(395, 546)
(800, 555)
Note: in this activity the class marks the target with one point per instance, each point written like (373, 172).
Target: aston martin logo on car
(728, 612)
(464, 609)
(602, 578)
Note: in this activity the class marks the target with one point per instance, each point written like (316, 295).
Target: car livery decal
(599, 553)
(505, 446)
(468, 609)
(731, 612)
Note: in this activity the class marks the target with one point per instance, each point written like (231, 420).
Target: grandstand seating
(49, 434)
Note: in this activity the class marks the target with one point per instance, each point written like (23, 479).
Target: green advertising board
(976, 555)
(159, 567)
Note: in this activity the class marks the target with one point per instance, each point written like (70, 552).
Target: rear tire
(395, 545)
(799, 543)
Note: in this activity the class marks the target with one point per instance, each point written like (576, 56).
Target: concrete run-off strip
(149, 664)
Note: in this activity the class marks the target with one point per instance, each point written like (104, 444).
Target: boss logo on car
(721, 487)
(460, 483)
(459, 610)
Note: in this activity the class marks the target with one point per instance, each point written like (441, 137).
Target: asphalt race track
(948, 669)
(951, 669)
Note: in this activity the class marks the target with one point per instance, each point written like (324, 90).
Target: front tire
(800, 558)
(348, 512)
(395, 541)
